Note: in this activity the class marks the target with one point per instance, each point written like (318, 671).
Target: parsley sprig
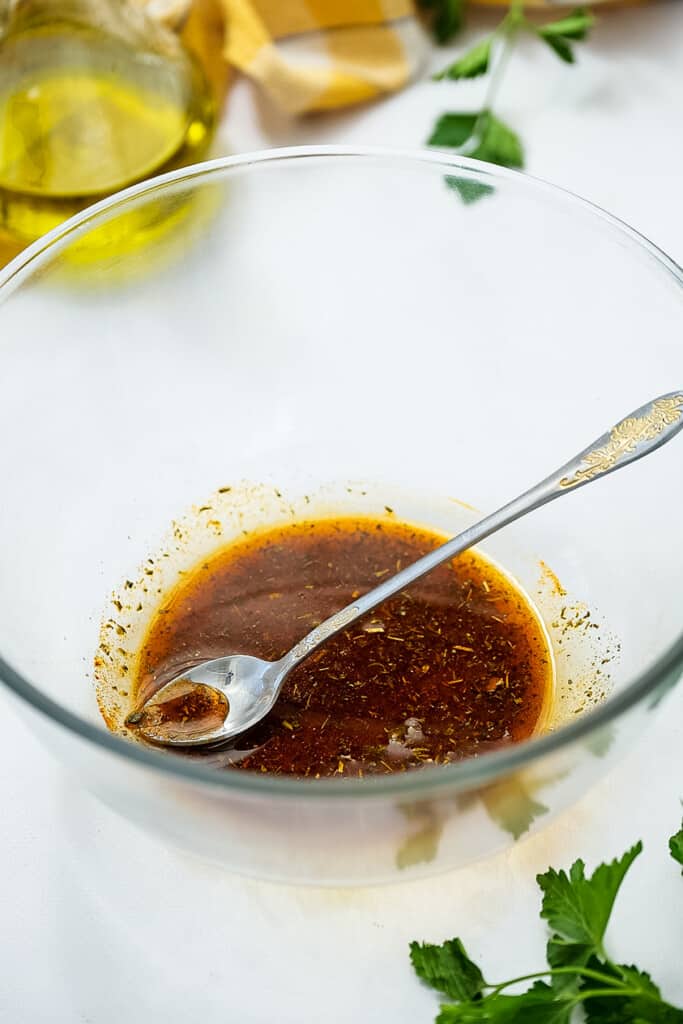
(446, 16)
(580, 973)
(676, 846)
(480, 133)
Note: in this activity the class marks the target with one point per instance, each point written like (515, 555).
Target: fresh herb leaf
(497, 143)
(492, 140)
(448, 969)
(600, 743)
(630, 1010)
(472, 64)
(558, 33)
(468, 190)
(574, 26)
(482, 136)
(421, 846)
(676, 846)
(641, 1002)
(578, 908)
(512, 803)
(453, 130)
(563, 954)
(638, 979)
(446, 16)
(560, 46)
(539, 1005)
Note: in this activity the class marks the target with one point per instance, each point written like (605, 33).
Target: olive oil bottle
(94, 96)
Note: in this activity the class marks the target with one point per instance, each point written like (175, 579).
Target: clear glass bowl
(309, 319)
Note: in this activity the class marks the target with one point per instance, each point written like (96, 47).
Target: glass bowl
(353, 326)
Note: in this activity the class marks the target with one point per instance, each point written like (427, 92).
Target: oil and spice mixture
(455, 665)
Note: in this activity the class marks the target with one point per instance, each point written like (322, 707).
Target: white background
(101, 924)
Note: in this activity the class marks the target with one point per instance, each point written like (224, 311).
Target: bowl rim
(457, 776)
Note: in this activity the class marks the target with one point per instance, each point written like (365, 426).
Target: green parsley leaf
(561, 953)
(557, 33)
(641, 1005)
(578, 908)
(447, 17)
(637, 979)
(561, 47)
(468, 190)
(479, 135)
(448, 969)
(574, 26)
(676, 846)
(420, 847)
(497, 143)
(453, 130)
(539, 1005)
(472, 64)
(512, 803)
(482, 135)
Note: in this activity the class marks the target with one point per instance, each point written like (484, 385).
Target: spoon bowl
(211, 703)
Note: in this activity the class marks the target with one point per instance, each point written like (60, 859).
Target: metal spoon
(217, 700)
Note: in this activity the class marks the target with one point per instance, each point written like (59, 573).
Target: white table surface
(101, 924)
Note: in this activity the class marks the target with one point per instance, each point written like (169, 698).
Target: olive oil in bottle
(94, 96)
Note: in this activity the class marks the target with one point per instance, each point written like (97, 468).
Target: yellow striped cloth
(314, 54)
(319, 54)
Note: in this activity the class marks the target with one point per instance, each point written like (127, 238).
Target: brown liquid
(187, 709)
(455, 665)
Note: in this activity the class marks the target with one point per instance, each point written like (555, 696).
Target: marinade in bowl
(455, 665)
(342, 317)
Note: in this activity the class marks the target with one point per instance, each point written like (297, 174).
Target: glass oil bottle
(94, 96)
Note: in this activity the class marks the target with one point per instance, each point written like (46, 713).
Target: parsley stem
(508, 30)
(589, 993)
(502, 41)
(585, 972)
(598, 993)
(495, 81)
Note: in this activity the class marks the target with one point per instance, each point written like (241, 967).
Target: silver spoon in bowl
(216, 701)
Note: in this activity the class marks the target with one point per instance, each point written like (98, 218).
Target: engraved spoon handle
(633, 437)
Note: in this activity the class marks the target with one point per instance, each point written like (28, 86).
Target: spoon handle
(649, 427)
